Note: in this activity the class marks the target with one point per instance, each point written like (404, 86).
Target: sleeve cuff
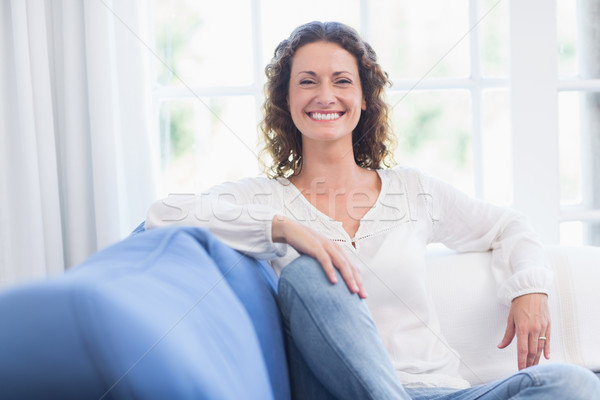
(526, 281)
(278, 249)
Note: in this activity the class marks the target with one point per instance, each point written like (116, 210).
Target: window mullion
(185, 92)
(589, 85)
(259, 76)
(365, 26)
(476, 98)
(257, 55)
(533, 84)
(579, 213)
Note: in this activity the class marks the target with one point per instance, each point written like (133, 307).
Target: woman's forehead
(323, 55)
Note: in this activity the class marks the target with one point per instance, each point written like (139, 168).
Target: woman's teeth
(325, 117)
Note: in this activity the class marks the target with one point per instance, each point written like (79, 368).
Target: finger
(547, 344)
(532, 348)
(362, 293)
(522, 349)
(509, 334)
(540, 349)
(547, 341)
(345, 269)
(325, 260)
(356, 275)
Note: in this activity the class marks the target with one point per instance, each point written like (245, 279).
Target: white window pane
(588, 38)
(496, 147)
(591, 233)
(579, 130)
(434, 134)
(569, 148)
(280, 18)
(207, 141)
(203, 43)
(566, 13)
(493, 40)
(578, 44)
(412, 37)
(589, 105)
(571, 233)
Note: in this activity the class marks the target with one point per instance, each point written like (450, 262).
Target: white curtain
(76, 167)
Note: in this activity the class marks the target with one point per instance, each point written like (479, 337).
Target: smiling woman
(333, 213)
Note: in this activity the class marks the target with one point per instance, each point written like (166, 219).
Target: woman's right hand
(329, 254)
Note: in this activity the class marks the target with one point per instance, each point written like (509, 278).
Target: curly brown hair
(372, 139)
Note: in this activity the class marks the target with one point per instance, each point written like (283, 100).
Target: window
(464, 98)
(579, 120)
(449, 65)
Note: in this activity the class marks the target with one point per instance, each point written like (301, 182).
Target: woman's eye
(344, 82)
(306, 82)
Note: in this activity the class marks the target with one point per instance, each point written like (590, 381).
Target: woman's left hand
(529, 318)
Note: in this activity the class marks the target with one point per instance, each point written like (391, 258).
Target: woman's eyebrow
(341, 72)
(314, 74)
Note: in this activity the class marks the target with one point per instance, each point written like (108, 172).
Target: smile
(325, 116)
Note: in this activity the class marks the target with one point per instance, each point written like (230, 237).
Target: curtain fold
(76, 167)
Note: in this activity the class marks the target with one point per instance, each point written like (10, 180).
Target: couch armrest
(169, 313)
(473, 320)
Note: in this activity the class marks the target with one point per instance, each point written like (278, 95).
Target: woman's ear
(363, 106)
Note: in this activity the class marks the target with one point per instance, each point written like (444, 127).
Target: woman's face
(325, 95)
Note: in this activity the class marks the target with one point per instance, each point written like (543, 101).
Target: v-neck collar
(325, 217)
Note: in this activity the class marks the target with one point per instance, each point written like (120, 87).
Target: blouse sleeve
(462, 223)
(238, 213)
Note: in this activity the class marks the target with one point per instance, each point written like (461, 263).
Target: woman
(326, 131)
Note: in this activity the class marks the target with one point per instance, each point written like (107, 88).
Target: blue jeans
(335, 352)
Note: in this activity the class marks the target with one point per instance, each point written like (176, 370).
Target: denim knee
(298, 278)
(303, 270)
(565, 381)
(306, 278)
(304, 281)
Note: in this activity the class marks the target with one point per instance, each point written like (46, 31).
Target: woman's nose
(325, 96)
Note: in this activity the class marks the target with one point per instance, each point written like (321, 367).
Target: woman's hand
(529, 318)
(329, 254)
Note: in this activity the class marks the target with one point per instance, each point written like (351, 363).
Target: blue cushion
(256, 288)
(168, 313)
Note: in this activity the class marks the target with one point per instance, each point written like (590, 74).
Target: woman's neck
(333, 165)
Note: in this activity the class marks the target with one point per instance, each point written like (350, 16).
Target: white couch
(474, 321)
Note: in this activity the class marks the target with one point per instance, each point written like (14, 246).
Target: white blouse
(389, 248)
